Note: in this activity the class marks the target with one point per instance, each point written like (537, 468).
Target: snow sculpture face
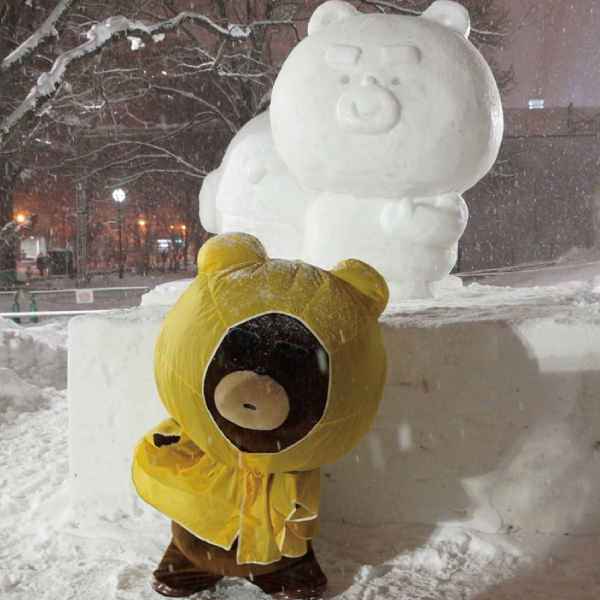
(388, 106)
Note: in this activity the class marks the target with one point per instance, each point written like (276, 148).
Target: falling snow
(47, 553)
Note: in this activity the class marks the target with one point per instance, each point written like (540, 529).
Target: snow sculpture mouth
(364, 114)
(368, 108)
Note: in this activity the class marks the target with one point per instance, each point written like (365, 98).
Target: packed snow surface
(45, 553)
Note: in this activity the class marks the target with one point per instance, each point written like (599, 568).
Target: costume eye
(240, 339)
(291, 354)
(344, 79)
(395, 81)
(242, 346)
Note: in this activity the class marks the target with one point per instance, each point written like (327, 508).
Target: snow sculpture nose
(368, 80)
(368, 108)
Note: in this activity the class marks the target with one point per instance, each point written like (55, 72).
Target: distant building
(32, 246)
(544, 198)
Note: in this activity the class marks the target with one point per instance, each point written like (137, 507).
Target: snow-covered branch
(402, 9)
(47, 32)
(99, 36)
(381, 4)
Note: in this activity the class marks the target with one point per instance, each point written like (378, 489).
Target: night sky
(555, 52)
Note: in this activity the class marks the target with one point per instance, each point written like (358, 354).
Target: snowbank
(489, 418)
(488, 414)
(492, 424)
(112, 403)
(27, 366)
(165, 294)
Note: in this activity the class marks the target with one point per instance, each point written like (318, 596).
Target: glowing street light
(119, 196)
(20, 218)
(185, 246)
(144, 229)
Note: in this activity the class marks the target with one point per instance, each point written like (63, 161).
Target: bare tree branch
(46, 33)
(195, 98)
(99, 36)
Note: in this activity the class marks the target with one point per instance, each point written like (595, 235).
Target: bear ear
(450, 14)
(230, 249)
(330, 12)
(365, 279)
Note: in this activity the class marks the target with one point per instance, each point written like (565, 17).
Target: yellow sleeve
(170, 447)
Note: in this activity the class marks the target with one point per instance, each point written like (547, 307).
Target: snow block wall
(488, 423)
(113, 402)
(489, 419)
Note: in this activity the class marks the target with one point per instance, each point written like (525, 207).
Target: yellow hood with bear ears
(236, 281)
(267, 502)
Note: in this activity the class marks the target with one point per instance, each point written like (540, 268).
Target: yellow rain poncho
(268, 502)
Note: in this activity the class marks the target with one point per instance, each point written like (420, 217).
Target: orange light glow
(20, 218)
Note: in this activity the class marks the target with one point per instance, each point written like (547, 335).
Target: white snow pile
(165, 294)
(45, 553)
(33, 367)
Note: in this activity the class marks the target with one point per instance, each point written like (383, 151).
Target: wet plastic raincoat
(267, 502)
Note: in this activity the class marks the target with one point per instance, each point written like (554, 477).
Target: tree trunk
(8, 238)
(8, 174)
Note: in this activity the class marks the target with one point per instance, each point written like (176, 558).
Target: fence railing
(50, 313)
(74, 290)
(28, 297)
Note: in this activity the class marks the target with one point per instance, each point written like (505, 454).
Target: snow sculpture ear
(450, 14)
(330, 12)
(365, 279)
(228, 250)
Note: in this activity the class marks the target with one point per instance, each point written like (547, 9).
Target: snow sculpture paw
(437, 221)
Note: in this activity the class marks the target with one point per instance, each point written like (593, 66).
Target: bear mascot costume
(269, 369)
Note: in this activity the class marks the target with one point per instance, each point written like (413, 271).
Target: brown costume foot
(191, 565)
(176, 576)
(165, 590)
(303, 579)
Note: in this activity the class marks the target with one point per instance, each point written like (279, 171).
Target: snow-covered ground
(45, 554)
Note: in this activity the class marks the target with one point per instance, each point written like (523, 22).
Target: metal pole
(121, 267)
(81, 248)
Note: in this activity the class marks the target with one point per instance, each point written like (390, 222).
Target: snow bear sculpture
(377, 125)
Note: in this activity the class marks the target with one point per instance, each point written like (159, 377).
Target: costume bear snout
(266, 387)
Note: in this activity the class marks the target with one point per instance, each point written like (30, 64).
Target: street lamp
(118, 196)
(185, 246)
(145, 229)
